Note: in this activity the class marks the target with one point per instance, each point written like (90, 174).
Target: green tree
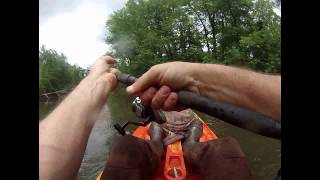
(262, 47)
(55, 73)
(237, 32)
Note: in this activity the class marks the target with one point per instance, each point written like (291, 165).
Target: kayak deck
(173, 167)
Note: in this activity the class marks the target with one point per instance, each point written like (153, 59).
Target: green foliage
(233, 32)
(55, 73)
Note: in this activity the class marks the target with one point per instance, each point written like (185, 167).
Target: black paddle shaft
(241, 117)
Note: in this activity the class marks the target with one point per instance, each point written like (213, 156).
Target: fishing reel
(143, 112)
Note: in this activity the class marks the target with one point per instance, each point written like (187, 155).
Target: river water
(263, 154)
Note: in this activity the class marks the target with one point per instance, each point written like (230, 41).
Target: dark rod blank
(241, 117)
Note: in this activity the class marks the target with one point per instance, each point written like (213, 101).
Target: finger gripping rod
(241, 117)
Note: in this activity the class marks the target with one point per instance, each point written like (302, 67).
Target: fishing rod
(241, 117)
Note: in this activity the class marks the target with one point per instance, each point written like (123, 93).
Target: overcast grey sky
(76, 27)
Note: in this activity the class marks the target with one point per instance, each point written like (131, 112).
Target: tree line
(243, 33)
(55, 73)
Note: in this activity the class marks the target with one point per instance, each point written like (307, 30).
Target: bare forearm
(64, 133)
(255, 91)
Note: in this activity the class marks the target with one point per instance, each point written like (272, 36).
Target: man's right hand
(169, 78)
(240, 87)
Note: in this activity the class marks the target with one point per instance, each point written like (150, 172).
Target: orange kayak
(173, 167)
